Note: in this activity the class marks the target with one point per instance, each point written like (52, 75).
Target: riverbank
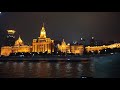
(46, 58)
(53, 58)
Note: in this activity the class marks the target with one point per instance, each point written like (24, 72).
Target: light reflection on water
(45, 69)
(99, 67)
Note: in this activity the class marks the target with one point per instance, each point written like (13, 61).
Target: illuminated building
(18, 47)
(115, 45)
(56, 42)
(67, 48)
(11, 32)
(98, 48)
(77, 49)
(6, 50)
(19, 42)
(10, 39)
(95, 48)
(43, 44)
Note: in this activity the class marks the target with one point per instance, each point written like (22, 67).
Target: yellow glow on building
(63, 47)
(24, 48)
(18, 47)
(95, 48)
(6, 50)
(43, 32)
(43, 44)
(67, 48)
(77, 49)
(19, 42)
(98, 48)
(115, 45)
(11, 31)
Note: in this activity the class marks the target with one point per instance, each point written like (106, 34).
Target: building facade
(6, 50)
(67, 48)
(77, 49)
(18, 47)
(98, 48)
(43, 44)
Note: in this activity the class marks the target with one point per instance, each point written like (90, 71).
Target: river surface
(98, 67)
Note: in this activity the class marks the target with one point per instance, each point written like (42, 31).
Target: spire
(63, 40)
(63, 44)
(43, 24)
(43, 32)
(19, 37)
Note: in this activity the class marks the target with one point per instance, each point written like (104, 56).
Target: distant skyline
(70, 26)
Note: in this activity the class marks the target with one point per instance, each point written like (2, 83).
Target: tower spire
(19, 38)
(43, 32)
(43, 24)
(63, 43)
(63, 40)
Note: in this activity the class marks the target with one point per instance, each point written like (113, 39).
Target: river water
(98, 67)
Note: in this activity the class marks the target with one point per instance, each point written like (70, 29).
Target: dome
(19, 42)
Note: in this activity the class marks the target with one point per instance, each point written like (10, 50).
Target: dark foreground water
(99, 67)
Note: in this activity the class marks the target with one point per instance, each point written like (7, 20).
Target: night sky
(68, 25)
